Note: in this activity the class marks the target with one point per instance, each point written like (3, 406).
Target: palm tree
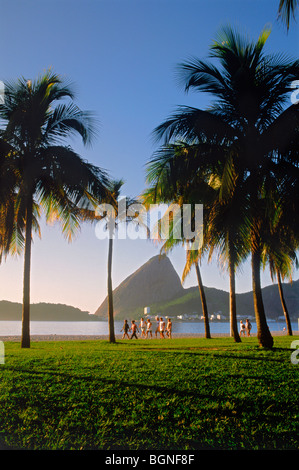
(228, 234)
(286, 9)
(167, 174)
(113, 214)
(280, 242)
(246, 128)
(193, 259)
(225, 210)
(47, 174)
(283, 303)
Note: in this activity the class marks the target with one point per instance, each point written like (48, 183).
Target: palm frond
(202, 76)
(192, 257)
(193, 125)
(286, 10)
(68, 119)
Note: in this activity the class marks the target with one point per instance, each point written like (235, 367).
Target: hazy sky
(121, 56)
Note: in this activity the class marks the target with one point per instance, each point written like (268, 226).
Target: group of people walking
(245, 328)
(163, 329)
(146, 328)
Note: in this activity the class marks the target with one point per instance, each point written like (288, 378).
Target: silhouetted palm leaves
(286, 10)
(39, 171)
(242, 146)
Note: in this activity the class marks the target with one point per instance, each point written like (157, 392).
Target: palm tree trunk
(110, 293)
(25, 339)
(203, 302)
(263, 333)
(232, 302)
(283, 303)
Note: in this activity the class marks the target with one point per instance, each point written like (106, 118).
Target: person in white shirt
(162, 328)
(142, 327)
(242, 328)
(149, 328)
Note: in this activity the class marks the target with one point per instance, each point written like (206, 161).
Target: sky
(121, 56)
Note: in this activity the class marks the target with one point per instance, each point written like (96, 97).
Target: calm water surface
(13, 328)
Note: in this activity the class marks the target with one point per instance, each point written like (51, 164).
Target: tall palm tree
(113, 214)
(225, 209)
(193, 259)
(281, 243)
(172, 179)
(247, 128)
(228, 234)
(47, 174)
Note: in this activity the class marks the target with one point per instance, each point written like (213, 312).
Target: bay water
(96, 328)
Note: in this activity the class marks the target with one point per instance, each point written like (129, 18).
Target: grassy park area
(174, 394)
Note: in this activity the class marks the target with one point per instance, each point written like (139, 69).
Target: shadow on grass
(208, 410)
(216, 353)
(164, 391)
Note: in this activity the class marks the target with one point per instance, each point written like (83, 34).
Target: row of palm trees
(39, 173)
(239, 159)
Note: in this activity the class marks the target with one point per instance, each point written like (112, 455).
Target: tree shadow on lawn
(233, 348)
(259, 412)
(163, 390)
(218, 353)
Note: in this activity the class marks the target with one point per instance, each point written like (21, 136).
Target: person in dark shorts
(248, 326)
(125, 329)
(134, 330)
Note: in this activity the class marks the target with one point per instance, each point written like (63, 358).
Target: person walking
(142, 327)
(149, 328)
(125, 329)
(248, 327)
(157, 326)
(134, 329)
(162, 328)
(242, 328)
(169, 328)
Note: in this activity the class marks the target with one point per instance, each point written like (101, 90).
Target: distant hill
(43, 311)
(218, 300)
(156, 281)
(157, 285)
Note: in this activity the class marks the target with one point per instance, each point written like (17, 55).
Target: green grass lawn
(149, 394)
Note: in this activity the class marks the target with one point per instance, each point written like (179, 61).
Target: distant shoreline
(37, 338)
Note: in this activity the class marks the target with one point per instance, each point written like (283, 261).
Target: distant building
(146, 310)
